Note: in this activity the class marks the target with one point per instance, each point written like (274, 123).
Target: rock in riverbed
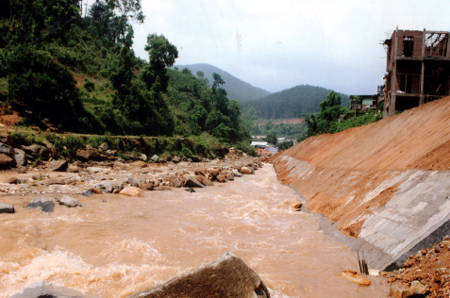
(7, 208)
(46, 204)
(42, 289)
(68, 201)
(354, 277)
(229, 276)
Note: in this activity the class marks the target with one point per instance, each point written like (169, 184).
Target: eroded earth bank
(385, 186)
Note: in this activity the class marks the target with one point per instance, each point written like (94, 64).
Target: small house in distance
(417, 69)
(363, 102)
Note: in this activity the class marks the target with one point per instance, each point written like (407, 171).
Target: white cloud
(284, 43)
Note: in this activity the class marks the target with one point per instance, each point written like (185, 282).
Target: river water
(115, 245)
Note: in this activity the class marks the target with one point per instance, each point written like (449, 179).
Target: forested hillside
(291, 103)
(236, 88)
(80, 74)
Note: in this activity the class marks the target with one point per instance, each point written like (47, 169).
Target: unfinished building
(417, 69)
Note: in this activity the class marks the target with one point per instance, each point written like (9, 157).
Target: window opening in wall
(405, 83)
(408, 46)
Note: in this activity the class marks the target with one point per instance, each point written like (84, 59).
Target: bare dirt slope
(348, 175)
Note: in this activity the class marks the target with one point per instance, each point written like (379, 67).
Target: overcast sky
(276, 45)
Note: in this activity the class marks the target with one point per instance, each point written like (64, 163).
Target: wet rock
(142, 157)
(58, 165)
(207, 181)
(108, 186)
(162, 188)
(6, 208)
(246, 170)
(12, 180)
(437, 248)
(221, 178)
(155, 158)
(354, 277)
(6, 138)
(52, 181)
(46, 290)
(88, 193)
(97, 191)
(37, 151)
(416, 290)
(139, 163)
(133, 182)
(6, 161)
(94, 170)
(50, 147)
(46, 204)
(88, 154)
(20, 157)
(6, 149)
(166, 157)
(176, 159)
(196, 158)
(64, 189)
(297, 205)
(229, 276)
(74, 169)
(237, 174)
(214, 172)
(103, 147)
(175, 182)
(147, 186)
(189, 190)
(111, 152)
(131, 191)
(192, 182)
(229, 175)
(68, 201)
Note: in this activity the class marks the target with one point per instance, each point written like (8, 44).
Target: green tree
(324, 121)
(271, 139)
(162, 54)
(125, 10)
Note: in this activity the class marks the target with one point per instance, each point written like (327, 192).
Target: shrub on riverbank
(204, 145)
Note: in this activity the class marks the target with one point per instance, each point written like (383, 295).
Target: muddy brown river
(116, 245)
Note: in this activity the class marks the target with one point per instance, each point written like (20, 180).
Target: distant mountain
(236, 88)
(292, 102)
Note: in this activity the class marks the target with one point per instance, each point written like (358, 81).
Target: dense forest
(74, 67)
(291, 103)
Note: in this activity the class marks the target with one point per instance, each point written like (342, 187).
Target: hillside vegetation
(236, 88)
(291, 103)
(80, 74)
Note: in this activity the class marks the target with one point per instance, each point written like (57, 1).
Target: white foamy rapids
(129, 249)
(63, 268)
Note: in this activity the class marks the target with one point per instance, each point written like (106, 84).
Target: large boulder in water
(46, 290)
(46, 204)
(6, 208)
(229, 276)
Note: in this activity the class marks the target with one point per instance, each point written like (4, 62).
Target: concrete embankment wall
(384, 185)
